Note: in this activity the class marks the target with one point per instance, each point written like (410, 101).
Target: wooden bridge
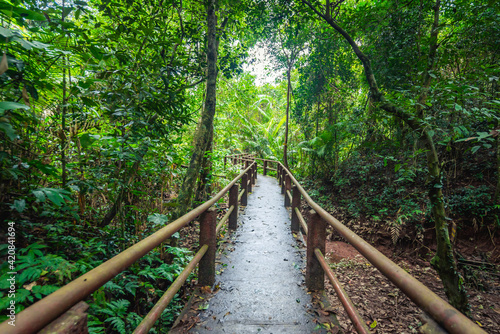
(64, 310)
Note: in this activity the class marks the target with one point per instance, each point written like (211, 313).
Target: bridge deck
(261, 286)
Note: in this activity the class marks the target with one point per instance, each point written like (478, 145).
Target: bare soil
(384, 307)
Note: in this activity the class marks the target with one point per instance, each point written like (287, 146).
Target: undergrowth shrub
(72, 250)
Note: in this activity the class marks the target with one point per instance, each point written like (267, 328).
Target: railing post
(254, 173)
(208, 225)
(265, 167)
(282, 181)
(255, 167)
(246, 164)
(295, 204)
(315, 276)
(225, 161)
(288, 187)
(249, 187)
(233, 200)
(244, 185)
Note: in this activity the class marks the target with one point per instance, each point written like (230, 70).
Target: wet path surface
(261, 286)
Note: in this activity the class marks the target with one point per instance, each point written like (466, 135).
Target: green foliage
(38, 275)
(99, 98)
(471, 201)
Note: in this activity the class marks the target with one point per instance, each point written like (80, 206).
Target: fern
(95, 327)
(113, 288)
(133, 319)
(147, 272)
(119, 307)
(33, 250)
(166, 271)
(117, 324)
(29, 275)
(22, 295)
(395, 231)
(131, 286)
(43, 290)
(117, 312)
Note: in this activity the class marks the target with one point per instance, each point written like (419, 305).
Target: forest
(116, 116)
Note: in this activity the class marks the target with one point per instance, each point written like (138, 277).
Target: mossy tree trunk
(443, 260)
(205, 180)
(202, 137)
(289, 87)
(496, 198)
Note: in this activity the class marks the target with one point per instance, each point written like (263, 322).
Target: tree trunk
(205, 179)
(444, 261)
(62, 135)
(202, 136)
(124, 188)
(285, 147)
(496, 198)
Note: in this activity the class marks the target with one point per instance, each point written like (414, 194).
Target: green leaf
(67, 11)
(56, 196)
(21, 12)
(40, 195)
(46, 169)
(19, 205)
(87, 140)
(157, 218)
(43, 290)
(7, 105)
(33, 92)
(203, 306)
(8, 129)
(483, 135)
(373, 324)
(22, 295)
(6, 32)
(29, 275)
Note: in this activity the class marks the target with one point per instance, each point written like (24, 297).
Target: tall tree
(204, 130)
(288, 39)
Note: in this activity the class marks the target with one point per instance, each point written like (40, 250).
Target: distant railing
(50, 314)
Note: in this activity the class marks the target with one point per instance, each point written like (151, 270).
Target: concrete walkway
(261, 286)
